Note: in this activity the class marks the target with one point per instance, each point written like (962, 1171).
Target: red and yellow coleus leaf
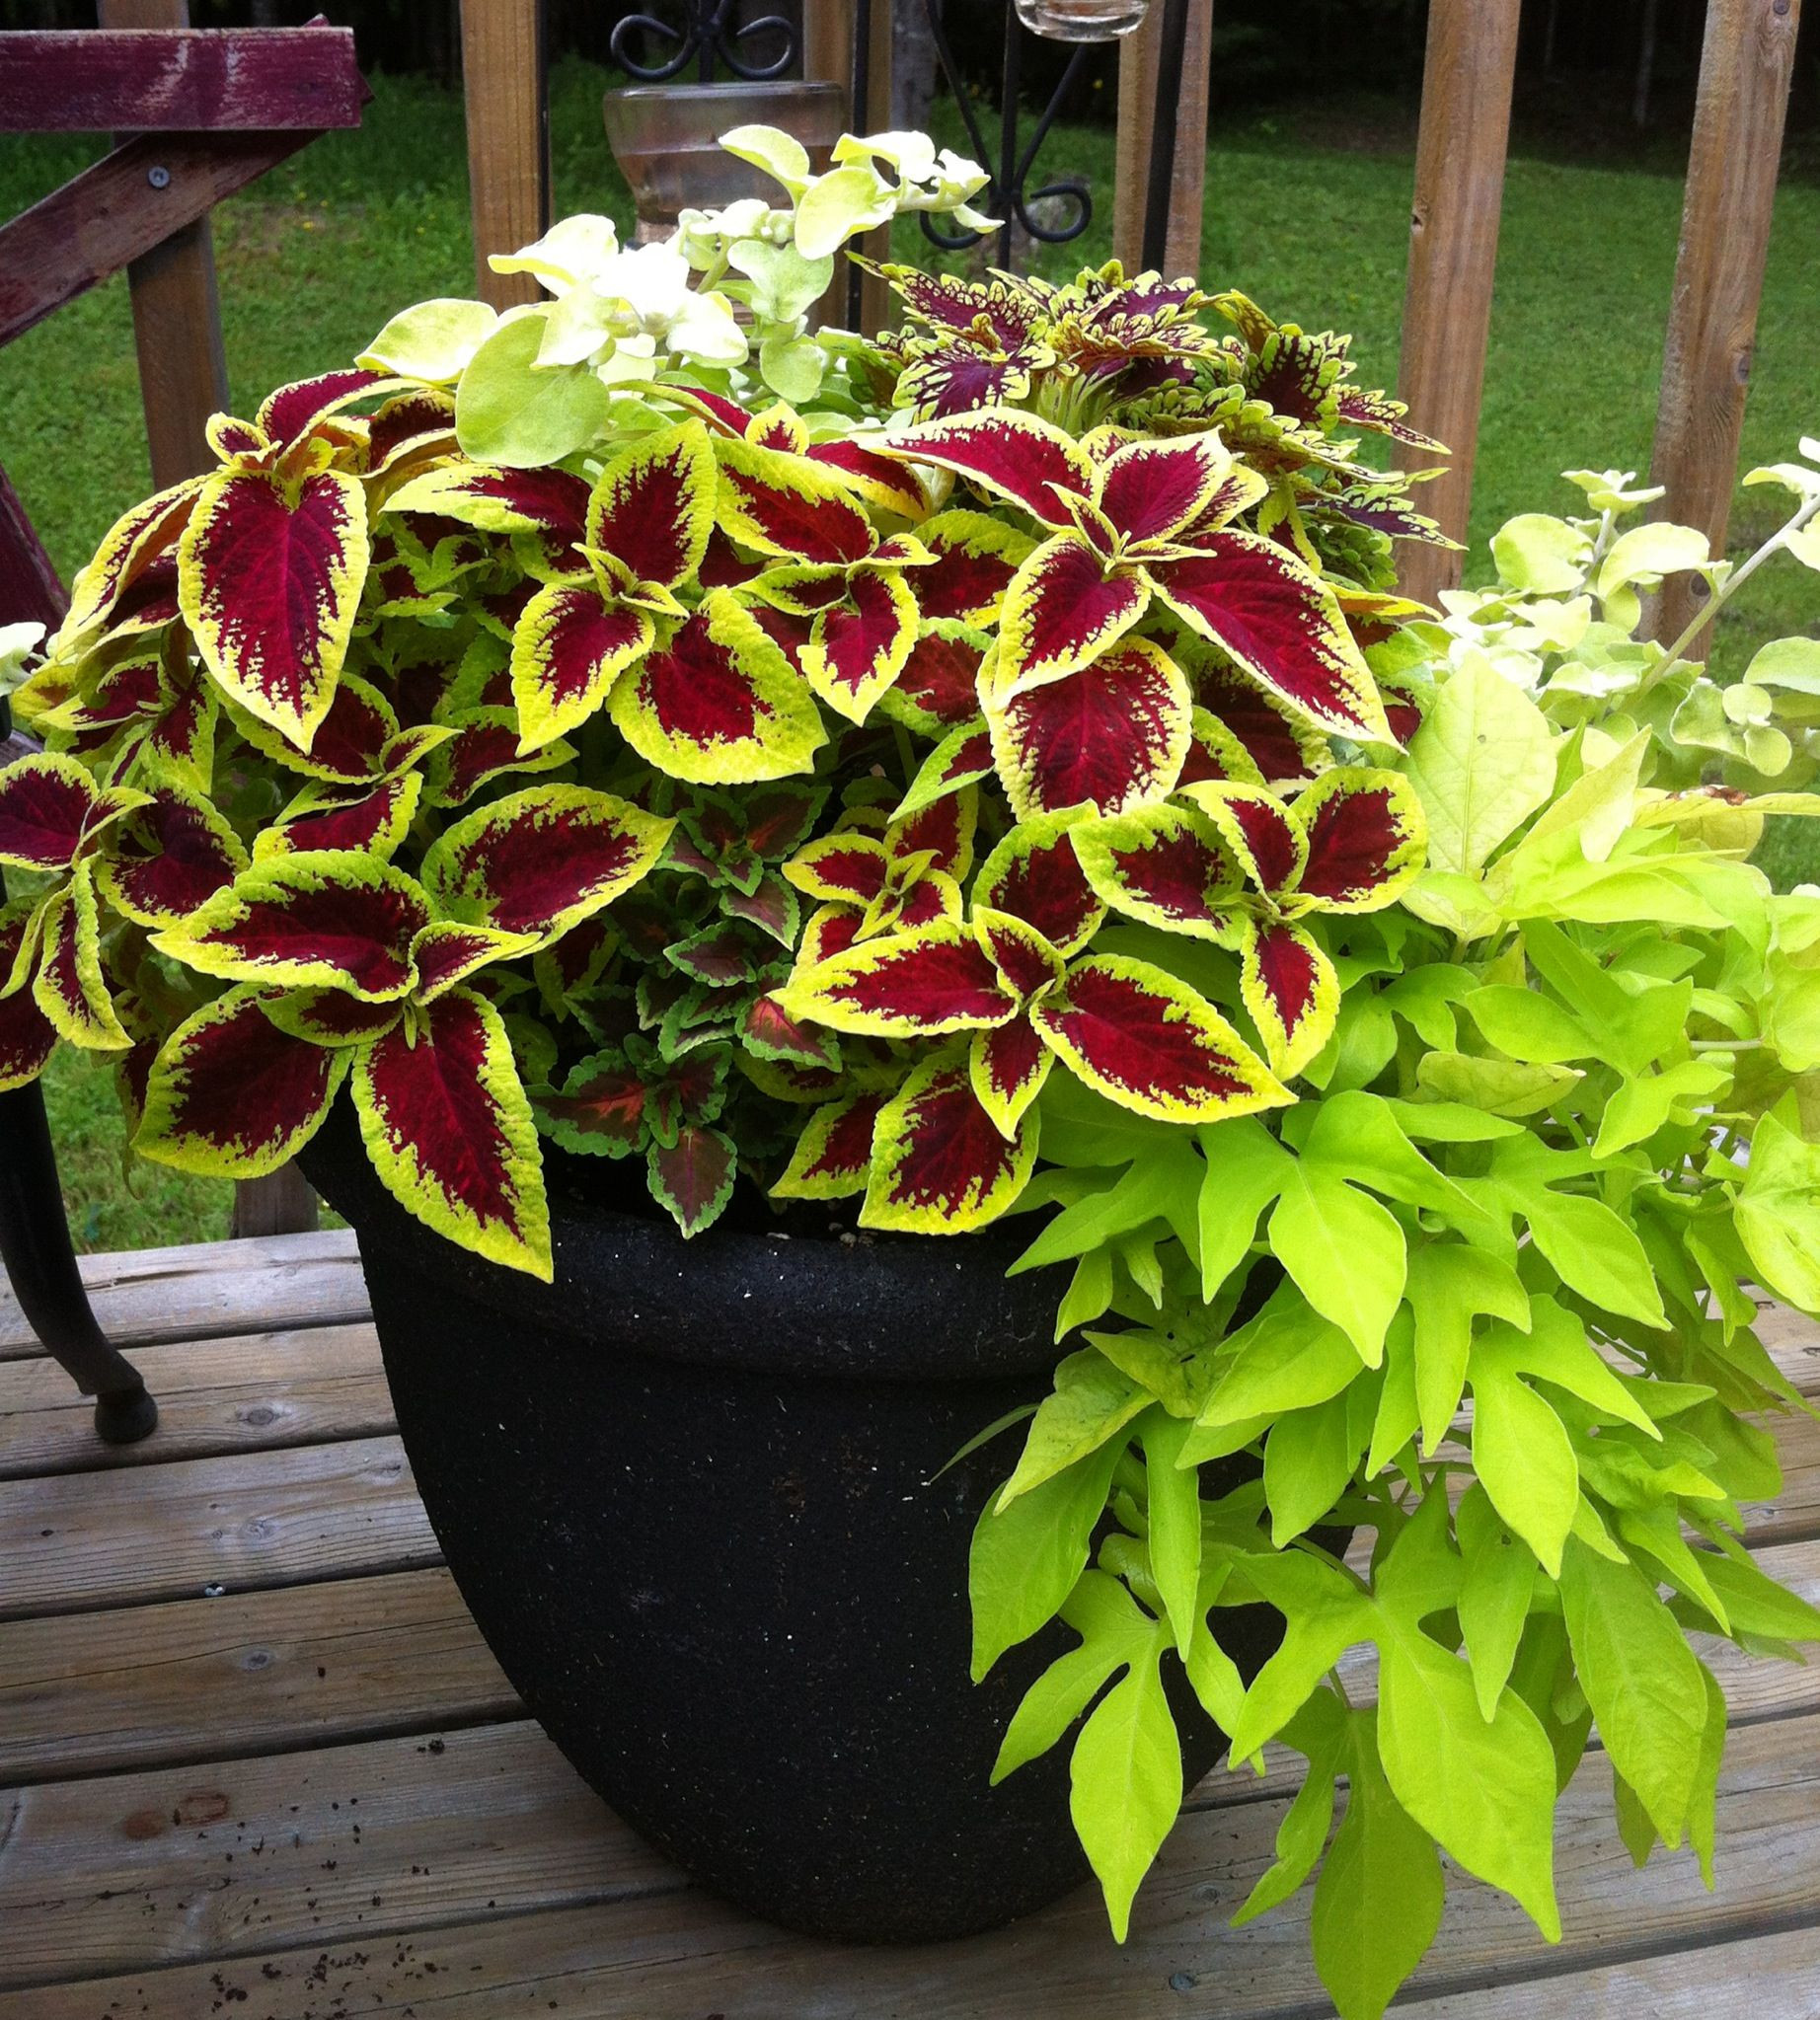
(1367, 838)
(1290, 989)
(27, 1036)
(324, 920)
(126, 551)
(232, 1096)
(1215, 752)
(446, 952)
(269, 578)
(1005, 451)
(937, 686)
(482, 748)
(373, 822)
(961, 759)
(170, 857)
(1110, 736)
(940, 1165)
(1151, 491)
(1279, 623)
(1147, 1040)
(448, 1127)
(654, 507)
(548, 502)
(1165, 865)
(1006, 1068)
(834, 1152)
(975, 558)
(917, 984)
(718, 703)
(783, 504)
(1266, 841)
(70, 988)
(845, 868)
(857, 649)
(572, 643)
(1280, 747)
(416, 424)
(768, 1031)
(52, 811)
(542, 859)
(1035, 874)
(1065, 606)
(290, 413)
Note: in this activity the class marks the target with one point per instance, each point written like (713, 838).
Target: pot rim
(894, 1307)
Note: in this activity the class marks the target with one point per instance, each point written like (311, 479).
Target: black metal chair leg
(35, 1247)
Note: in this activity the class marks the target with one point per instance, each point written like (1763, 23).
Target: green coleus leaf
(1125, 1780)
(1377, 1903)
(1482, 762)
(1777, 1213)
(1643, 1680)
(1027, 1557)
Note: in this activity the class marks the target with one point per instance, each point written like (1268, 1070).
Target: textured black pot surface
(689, 1494)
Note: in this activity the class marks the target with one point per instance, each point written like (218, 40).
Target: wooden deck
(255, 1761)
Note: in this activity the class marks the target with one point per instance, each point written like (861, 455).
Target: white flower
(572, 251)
(17, 644)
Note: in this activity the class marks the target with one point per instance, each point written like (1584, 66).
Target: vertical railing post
(1746, 63)
(182, 380)
(505, 86)
(1467, 78)
(832, 52)
(1139, 71)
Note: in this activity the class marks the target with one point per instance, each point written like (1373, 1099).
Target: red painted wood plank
(28, 586)
(126, 204)
(179, 80)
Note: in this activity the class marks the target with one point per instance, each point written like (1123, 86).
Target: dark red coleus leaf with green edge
(1110, 736)
(769, 1031)
(693, 1177)
(71, 988)
(1366, 839)
(449, 1130)
(129, 547)
(233, 1095)
(482, 748)
(1279, 623)
(1034, 875)
(938, 684)
(292, 411)
(572, 644)
(600, 1108)
(269, 578)
(1167, 866)
(939, 1164)
(834, 1152)
(784, 506)
(1148, 1041)
(961, 759)
(52, 811)
(27, 1036)
(654, 507)
(550, 503)
(541, 859)
(1012, 453)
(323, 919)
(1279, 747)
(716, 703)
(915, 984)
(170, 857)
(976, 556)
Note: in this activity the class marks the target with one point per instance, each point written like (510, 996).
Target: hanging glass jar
(1082, 21)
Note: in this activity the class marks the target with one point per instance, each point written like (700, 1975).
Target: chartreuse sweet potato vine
(990, 768)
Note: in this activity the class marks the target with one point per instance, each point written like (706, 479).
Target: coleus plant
(990, 770)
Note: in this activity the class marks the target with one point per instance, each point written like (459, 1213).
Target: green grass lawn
(314, 258)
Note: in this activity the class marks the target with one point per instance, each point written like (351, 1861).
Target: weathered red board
(179, 80)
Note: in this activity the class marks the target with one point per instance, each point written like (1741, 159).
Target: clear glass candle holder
(1080, 21)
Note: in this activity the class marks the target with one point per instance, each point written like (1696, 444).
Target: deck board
(96, 1694)
(316, 1794)
(237, 1393)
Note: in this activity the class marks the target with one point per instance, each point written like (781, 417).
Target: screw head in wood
(159, 177)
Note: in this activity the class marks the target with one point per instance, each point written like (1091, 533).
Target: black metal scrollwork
(711, 29)
(1006, 194)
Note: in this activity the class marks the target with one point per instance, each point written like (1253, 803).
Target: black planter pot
(688, 1493)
